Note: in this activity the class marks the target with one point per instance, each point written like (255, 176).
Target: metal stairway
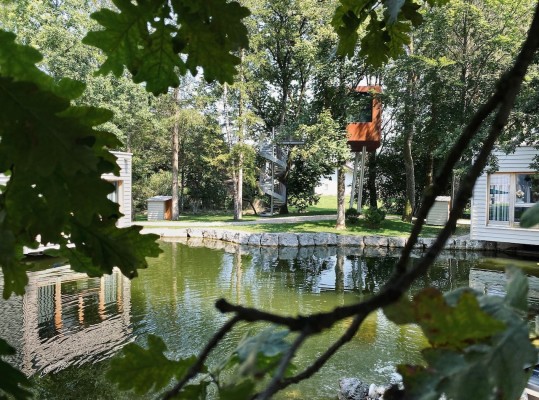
(275, 166)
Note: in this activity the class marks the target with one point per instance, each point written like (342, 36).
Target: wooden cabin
(364, 118)
(500, 198)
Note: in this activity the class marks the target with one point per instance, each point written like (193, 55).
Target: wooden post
(361, 179)
(354, 177)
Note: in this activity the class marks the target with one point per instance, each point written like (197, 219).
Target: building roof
(160, 198)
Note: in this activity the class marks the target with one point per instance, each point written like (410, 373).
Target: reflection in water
(67, 319)
(70, 319)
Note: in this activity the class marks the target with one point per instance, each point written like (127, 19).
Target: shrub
(374, 216)
(351, 215)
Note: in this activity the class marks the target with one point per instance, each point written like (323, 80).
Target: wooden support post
(354, 177)
(361, 179)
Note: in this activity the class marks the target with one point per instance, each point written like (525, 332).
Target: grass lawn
(326, 205)
(391, 226)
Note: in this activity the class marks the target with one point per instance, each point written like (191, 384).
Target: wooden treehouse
(363, 130)
(364, 118)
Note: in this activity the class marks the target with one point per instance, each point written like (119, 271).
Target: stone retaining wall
(313, 239)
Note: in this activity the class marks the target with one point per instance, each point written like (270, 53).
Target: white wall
(328, 186)
(124, 186)
(481, 229)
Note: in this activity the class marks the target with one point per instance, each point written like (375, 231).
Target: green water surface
(68, 326)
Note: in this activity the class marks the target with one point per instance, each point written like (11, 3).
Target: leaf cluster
(157, 40)
(145, 370)
(13, 381)
(388, 27)
(55, 157)
(475, 340)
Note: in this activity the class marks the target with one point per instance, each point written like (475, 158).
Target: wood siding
(481, 229)
(156, 210)
(124, 186)
(439, 213)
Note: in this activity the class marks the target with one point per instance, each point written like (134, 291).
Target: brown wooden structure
(364, 117)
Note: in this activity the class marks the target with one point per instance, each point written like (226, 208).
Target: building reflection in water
(66, 318)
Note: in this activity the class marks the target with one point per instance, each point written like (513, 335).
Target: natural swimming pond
(67, 326)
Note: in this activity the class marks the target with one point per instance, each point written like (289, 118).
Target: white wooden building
(500, 198)
(328, 184)
(122, 194)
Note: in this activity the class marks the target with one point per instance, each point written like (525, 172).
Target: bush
(374, 216)
(352, 216)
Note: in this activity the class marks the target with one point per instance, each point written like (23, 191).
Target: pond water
(67, 326)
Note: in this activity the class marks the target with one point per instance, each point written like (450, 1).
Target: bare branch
(197, 366)
(275, 384)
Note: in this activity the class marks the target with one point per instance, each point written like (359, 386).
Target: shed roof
(443, 198)
(160, 198)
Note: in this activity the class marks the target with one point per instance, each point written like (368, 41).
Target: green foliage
(60, 197)
(13, 382)
(144, 370)
(142, 37)
(244, 390)
(530, 217)
(476, 339)
(387, 31)
(373, 216)
(323, 149)
(259, 354)
(351, 215)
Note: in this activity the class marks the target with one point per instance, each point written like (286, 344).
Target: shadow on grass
(392, 226)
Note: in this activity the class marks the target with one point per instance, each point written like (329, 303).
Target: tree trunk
(410, 177)
(175, 158)
(409, 110)
(238, 182)
(339, 273)
(371, 184)
(430, 169)
(340, 224)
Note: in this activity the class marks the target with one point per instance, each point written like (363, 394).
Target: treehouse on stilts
(363, 131)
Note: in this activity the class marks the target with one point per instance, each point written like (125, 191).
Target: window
(499, 187)
(526, 193)
(510, 195)
(359, 107)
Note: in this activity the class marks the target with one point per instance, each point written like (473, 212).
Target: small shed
(439, 212)
(159, 208)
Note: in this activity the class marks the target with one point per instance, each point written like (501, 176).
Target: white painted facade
(123, 184)
(439, 212)
(157, 208)
(328, 185)
(500, 198)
